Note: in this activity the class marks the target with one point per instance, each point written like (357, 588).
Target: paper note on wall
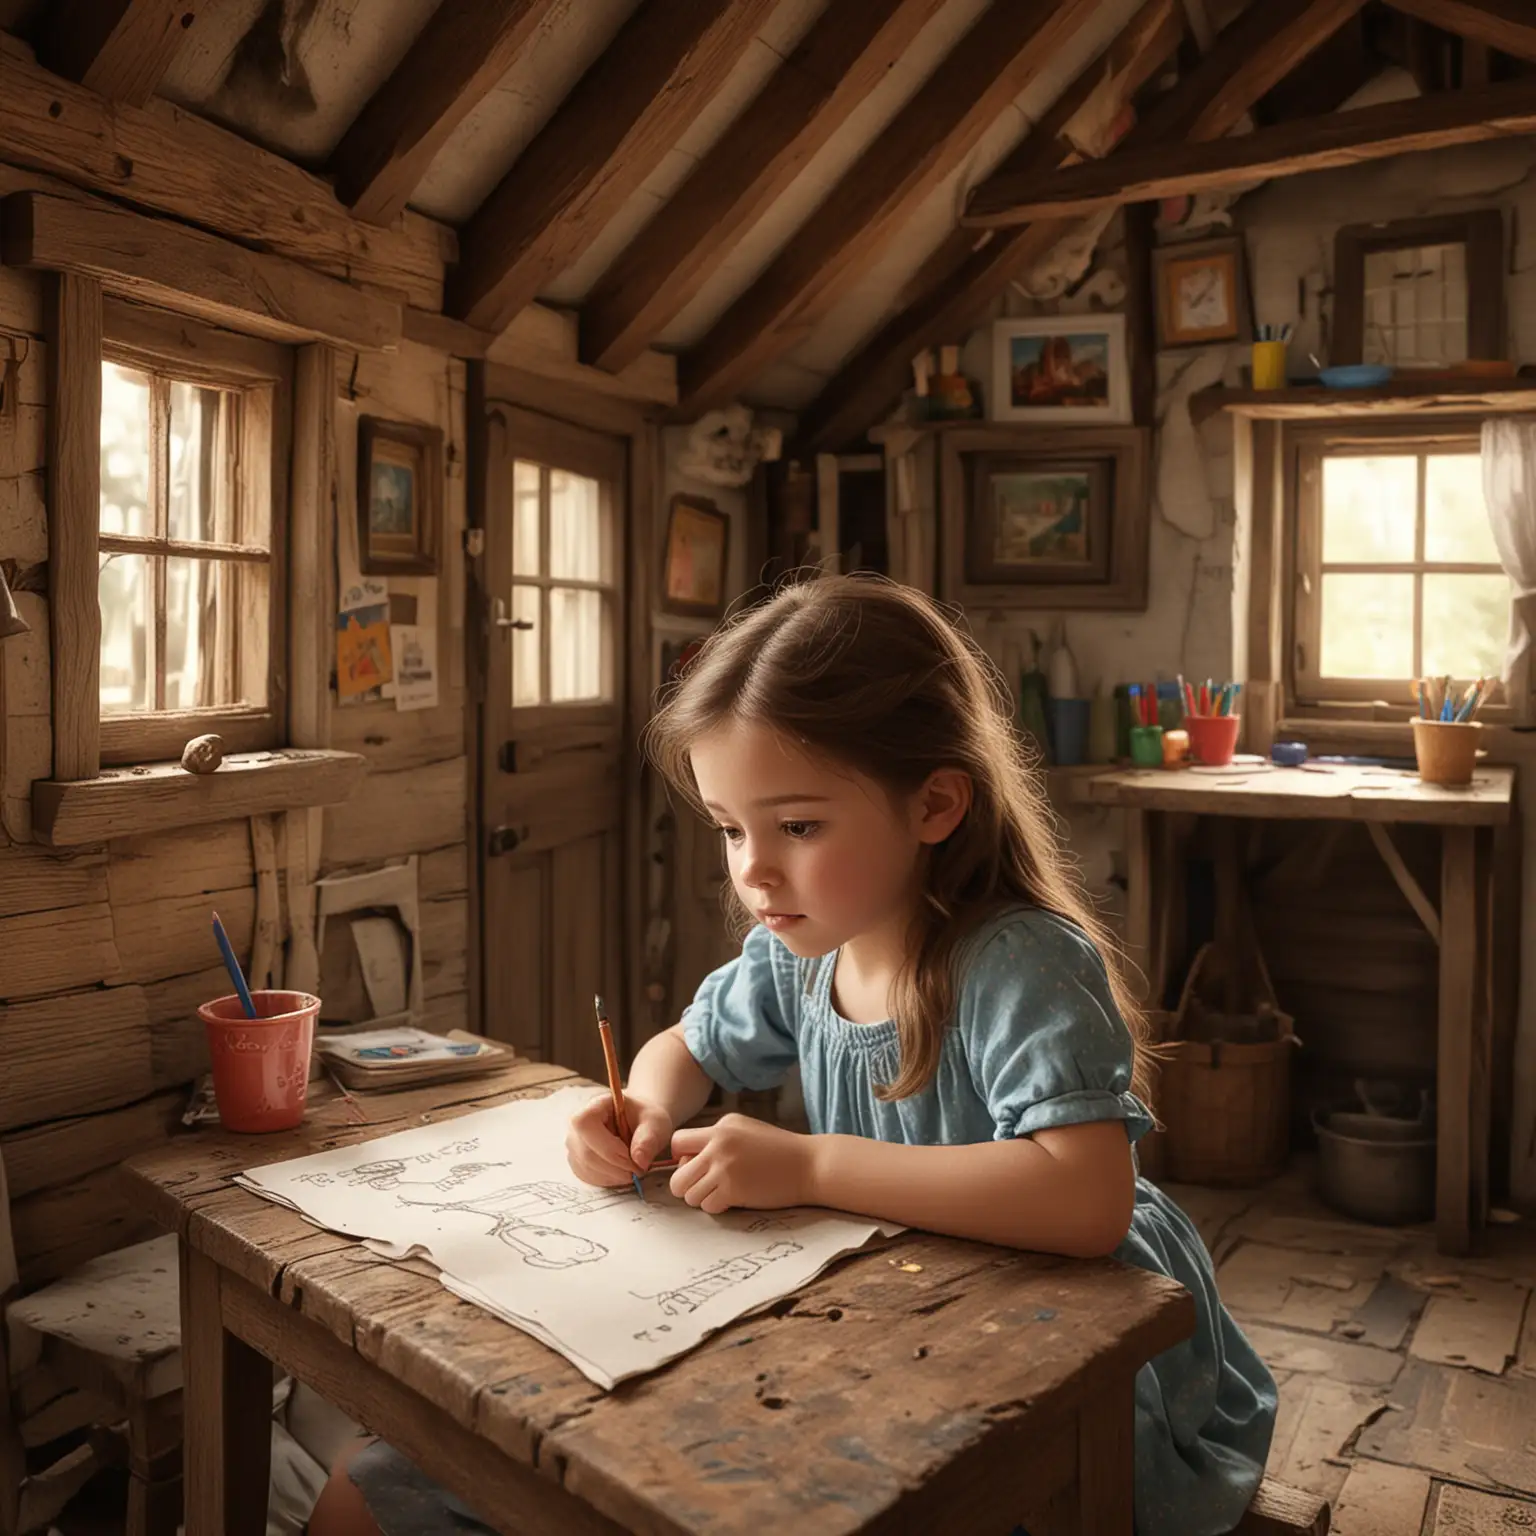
(616, 1285)
(414, 650)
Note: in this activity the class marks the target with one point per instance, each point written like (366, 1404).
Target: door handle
(503, 622)
(504, 840)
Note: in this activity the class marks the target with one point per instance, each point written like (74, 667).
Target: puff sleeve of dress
(1043, 1038)
(742, 1025)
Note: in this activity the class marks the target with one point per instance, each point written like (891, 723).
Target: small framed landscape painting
(399, 485)
(1061, 369)
(1046, 520)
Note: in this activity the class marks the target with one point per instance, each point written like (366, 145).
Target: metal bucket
(1375, 1168)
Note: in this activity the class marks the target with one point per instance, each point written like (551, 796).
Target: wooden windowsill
(121, 802)
(1303, 402)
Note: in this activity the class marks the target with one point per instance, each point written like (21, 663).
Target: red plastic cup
(1213, 738)
(261, 1065)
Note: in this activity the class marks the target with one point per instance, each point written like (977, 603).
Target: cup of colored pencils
(1146, 732)
(1212, 720)
(1446, 729)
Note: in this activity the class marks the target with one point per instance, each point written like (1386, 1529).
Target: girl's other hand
(596, 1153)
(739, 1161)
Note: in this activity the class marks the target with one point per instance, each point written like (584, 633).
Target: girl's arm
(665, 1074)
(1070, 1190)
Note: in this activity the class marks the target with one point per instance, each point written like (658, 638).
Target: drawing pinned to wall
(414, 650)
(617, 1286)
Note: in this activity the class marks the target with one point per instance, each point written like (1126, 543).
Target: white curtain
(1509, 489)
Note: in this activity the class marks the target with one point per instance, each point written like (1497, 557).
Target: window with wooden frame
(1394, 569)
(192, 576)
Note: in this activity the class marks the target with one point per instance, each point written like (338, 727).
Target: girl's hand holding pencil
(598, 1155)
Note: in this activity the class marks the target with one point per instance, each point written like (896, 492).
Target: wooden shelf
(1304, 402)
(124, 801)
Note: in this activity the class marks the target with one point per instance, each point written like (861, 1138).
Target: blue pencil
(232, 965)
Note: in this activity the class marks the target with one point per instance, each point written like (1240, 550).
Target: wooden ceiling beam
(160, 262)
(1251, 57)
(1006, 48)
(120, 49)
(881, 369)
(458, 58)
(842, 59)
(1123, 67)
(1508, 25)
(606, 137)
(1289, 149)
(174, 163)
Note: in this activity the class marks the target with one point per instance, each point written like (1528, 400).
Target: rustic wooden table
(930, 1385)
(1462, 924)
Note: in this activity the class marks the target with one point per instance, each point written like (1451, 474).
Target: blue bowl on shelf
(1355, 375)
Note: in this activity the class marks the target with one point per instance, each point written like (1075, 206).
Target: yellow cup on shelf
(1269, 365)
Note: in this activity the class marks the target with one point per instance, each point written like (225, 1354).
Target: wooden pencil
(611, 1060)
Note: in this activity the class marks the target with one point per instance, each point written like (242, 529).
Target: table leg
(1106, 1461)
(1462, 1077)
(227, 1408)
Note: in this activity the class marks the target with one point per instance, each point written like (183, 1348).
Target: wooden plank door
(552, 803)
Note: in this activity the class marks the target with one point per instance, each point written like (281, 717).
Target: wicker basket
(1225, 1105)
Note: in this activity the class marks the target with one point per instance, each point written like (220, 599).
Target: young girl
(919, 949)
(968, 1060)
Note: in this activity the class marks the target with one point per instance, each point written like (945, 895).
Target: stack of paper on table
(404, 1057)
(616, 1285)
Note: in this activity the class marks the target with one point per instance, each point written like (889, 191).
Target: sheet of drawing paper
(618, 1286)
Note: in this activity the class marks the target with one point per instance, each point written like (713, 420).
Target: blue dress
(1037, 1042)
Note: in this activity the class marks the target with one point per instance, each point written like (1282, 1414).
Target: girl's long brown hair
(874, 676)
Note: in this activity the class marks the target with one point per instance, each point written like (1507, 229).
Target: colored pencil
(232, 965)
(611, 1061)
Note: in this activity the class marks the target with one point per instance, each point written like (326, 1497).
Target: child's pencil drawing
(717, 1278)
(617, 1285)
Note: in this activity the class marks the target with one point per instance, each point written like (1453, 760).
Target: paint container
(261, 1065)
(1069, 731)
(1269, 365)
(1446, 750)
(1213, 738)
(1147, 746)
(1175, 748)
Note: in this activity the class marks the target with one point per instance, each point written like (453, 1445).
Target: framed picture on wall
(1056, 369)
(693, 573)
(1046, 519)
(399, 489)
(1202, 293)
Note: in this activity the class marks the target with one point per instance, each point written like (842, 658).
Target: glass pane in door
(576, 645)
(575, 528)
(527, 676)
(525, 519)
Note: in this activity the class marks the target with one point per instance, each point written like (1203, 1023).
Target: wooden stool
(109, 1333)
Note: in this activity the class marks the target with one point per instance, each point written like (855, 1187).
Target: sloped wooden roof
(775, 190)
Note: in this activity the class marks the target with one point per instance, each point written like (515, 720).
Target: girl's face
(817, 852)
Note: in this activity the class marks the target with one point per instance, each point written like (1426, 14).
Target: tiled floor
(1407, 1379)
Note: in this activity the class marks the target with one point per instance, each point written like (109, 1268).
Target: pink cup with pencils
(1211, 718)
(259, 1046)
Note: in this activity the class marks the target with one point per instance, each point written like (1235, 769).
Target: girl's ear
(942, 803)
